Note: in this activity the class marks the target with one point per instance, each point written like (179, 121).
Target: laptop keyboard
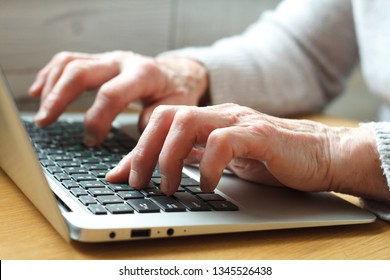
(81, 170)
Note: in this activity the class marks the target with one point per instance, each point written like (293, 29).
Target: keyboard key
(78, 192)
(168, 203)
(120, 187)
(152, 192)
(195, 190)
(62, 158)
(109, 199)
(54, 169)
(223, 206)
(61, 177)
(211, 197)
(47, 163)
(70, 184)
(130, 194)
(87, 200)
(156, 172)
(143, 205)
(94, 166)
(180, 189)
(75, 170)
(100, 191)
(97, 209)
(90, 160)
(191, 202)
(120, 208)
(92, 184)
(99, 173)
(81, 153)
(186, 182)
(83, 177)
(64, 164)
(55, 152)
(156, 180)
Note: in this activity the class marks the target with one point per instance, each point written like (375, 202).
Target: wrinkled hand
(300, 154)
(123, 77)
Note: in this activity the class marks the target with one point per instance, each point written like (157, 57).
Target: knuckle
(149, 67)
(110, 93)
(219, 137)
(117, 55)
(161, 110)
(264, 128)
(63, 56)
(186, 115)
(76, 71)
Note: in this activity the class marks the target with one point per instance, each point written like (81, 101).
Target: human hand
(300, 154)
(123, 77)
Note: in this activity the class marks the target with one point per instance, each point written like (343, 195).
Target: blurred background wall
(32, 31)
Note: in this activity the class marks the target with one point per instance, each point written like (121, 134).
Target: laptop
(65, 181)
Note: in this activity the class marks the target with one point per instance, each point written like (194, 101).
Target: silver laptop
(69, 189)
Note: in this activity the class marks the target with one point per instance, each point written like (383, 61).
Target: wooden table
(25, 234)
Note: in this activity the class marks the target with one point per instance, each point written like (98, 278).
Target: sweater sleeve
(381, 132)
(293, 59)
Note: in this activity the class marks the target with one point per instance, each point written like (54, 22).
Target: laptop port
(138, 233)
(170, 231)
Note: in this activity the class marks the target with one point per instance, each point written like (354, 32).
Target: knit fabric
(381, 130)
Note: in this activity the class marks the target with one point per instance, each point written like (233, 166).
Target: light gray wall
(32, 31)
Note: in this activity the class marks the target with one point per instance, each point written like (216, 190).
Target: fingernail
(89, 139)
(134, 179)
(113, 171)
(164, 185)
(41, 115)
(34, 87)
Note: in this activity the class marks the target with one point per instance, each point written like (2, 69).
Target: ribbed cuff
(381, 132)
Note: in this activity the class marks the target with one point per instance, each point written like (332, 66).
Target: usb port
(137, 233)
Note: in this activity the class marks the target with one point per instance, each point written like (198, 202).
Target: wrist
(356, 165)
(186, 76)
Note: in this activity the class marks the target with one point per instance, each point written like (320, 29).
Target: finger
(56, 68)
(76, 78)
(112, 98)
(169, 100)
(58, 61)
(145, 155)
(191, 127)
(195, 156)
(120, 173)
(224, 145)
(37, 86)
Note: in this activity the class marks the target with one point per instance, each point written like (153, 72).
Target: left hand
(299, 154)
(122, 77)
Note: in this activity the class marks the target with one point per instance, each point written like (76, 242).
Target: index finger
(77, 77)
(56, 65)
(145, 155)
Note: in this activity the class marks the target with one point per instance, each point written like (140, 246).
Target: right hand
(299, 154)
(123, 77)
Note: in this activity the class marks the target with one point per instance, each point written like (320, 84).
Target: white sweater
(298, 57)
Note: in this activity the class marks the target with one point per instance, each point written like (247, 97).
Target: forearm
(356, 165)
(279, 65)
